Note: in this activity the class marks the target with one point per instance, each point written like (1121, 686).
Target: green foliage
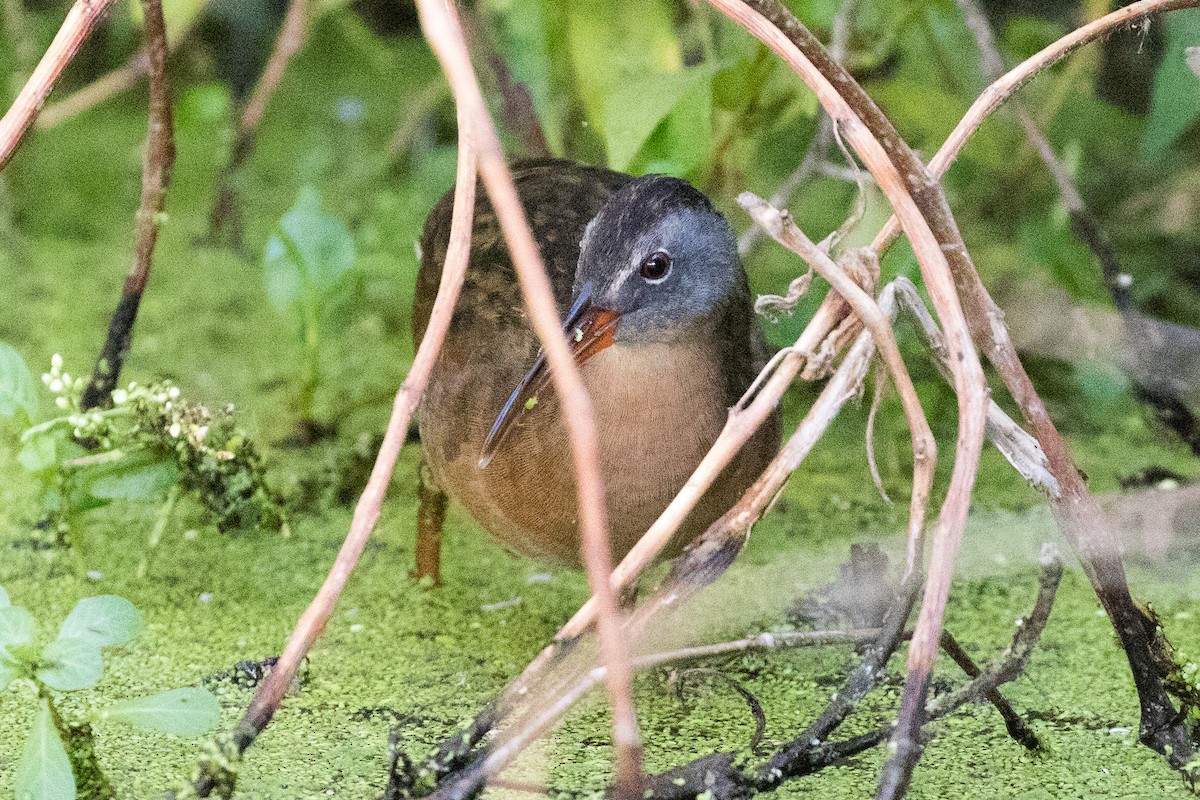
(70, 664)
(182, 712)
(148, 442)
(44, 772)
(74, 661)
(102, 621)
(1175, 103)
(304, 263)
(18, 394)
(305, 258)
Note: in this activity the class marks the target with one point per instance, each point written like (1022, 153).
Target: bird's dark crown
(660, 255)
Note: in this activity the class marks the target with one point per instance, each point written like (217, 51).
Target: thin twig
(445, 37)
(915, 196)
(1079, 517)
(157, 160)
(861, 680)
(721, 777)
(1087, 228)
(81, 20)
(366, 513)
(109, 84)
(782, 229)
(818, 147)
(1017, 728)
(292, 34)
(1001, 90)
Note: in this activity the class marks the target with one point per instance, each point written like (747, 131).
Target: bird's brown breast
(658, 407)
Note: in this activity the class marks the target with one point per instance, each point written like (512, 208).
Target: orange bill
(589, 329)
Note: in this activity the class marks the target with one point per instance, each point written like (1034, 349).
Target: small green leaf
(18, 392)
(306, 255)
(10, 669)
(635, 108)
(1175, 99)
(102, 620)
(70, 664)
(16, 626)
(184, 712)
(44, 772)
(39, 452)
(136, 479)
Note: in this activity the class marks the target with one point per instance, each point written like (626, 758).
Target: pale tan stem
(999, 91)
(782, 229)
(445, 36)
(81, 20)
(368, 509)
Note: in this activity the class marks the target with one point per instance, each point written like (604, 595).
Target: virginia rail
(662, 327)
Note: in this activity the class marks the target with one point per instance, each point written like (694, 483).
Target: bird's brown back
(559, 197)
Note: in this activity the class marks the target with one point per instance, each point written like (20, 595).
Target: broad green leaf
(16, 626)
(18, 392)
(102, 621)
(4, 601)
(9, 669)
(634, 109)
(306, 255)
(681, 143)
(1175, 100)
(184, 712)
(612, 44)
(44, 772)
(39, 452)
(136, 479)
(70, 664)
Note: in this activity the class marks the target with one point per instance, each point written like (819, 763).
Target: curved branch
(445, 36)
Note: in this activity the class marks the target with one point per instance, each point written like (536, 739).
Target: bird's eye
(656, 267)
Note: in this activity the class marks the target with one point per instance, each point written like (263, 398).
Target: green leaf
(16, 626)
(634, 109)
(39, 452)
(18, 392)
(44, 772)
(102, 621)
(306, 255)
(1175, 100)
(615, 48)
(9, 669)
(70, 664)
(184, 712)
(4, 601)
(132, 479)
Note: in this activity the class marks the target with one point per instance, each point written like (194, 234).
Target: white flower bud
(56, 385)
(120, 396)
(201, 432)
(173, 393)
(46, 378)
(174, 430)
(61, 402)
(66, 378)
(56, 362)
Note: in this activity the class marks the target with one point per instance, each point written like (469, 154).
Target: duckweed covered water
(396, 654)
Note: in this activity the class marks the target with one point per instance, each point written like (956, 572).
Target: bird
(658, 313)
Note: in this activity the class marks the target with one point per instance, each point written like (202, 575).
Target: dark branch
(157, 160)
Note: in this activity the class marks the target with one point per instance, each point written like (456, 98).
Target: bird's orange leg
(430, 518)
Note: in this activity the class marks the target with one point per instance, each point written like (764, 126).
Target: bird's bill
(589, 329)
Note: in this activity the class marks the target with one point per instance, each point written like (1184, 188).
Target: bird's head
(655, 265)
